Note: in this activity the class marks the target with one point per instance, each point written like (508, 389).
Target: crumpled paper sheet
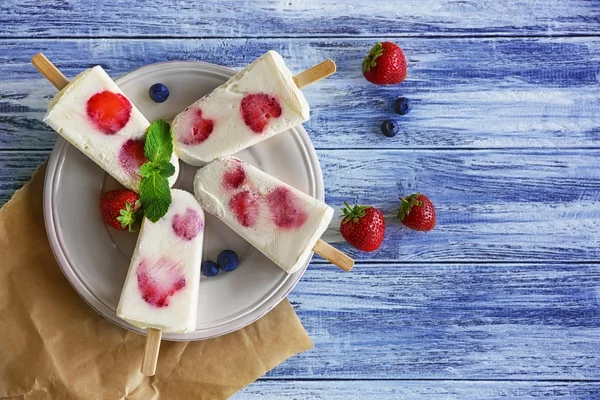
(53, 345)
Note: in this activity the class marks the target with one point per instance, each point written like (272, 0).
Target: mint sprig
(155, 192)
(159, 144)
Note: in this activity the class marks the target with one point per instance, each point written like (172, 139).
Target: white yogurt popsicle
(260, 101)
(279, 220)
(161, 288)
(94, 115)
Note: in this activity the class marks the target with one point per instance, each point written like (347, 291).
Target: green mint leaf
(162, 168)
(165, 169)
(159, 142)
(156, 196)
(147, 169)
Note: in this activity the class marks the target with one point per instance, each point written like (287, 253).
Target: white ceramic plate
(95, 258)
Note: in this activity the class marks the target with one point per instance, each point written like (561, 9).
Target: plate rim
(57, 157)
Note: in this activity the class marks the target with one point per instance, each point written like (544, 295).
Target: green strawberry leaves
(155, 191)
(353, 213)
(370, 60)
(128, 216)
(407, 203)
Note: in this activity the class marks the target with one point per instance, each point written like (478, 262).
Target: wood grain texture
(467, 93)
(16, 168)
(504, 205)
(454, 321)
(422, 390)
(502, 300)
(492, 205)
(249, 18)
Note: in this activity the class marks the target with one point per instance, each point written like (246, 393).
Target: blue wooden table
(502, 299)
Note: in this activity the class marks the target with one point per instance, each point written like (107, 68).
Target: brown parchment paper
(53, 345)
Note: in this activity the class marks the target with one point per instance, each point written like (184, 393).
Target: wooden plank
(16, 168)
(467, 93)
(422, 390)
(504, 205)
(210, 18)
(403, 321)
(412, 319)
(492, 205)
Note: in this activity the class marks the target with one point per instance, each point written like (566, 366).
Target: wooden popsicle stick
(333, 255)
(315, 73)
(151, 352)
(49, 71)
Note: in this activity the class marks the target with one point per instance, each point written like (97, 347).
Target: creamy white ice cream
(260, 101)
(279, 220)
(161, 288)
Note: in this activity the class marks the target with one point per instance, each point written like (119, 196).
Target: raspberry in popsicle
(258, 109)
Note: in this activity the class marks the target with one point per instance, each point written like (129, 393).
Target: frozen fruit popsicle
(94, 115)
(260, 101)
(282, 222)
(161, 288)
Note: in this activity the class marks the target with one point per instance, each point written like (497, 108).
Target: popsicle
(282, 222)
(161, 289)
(260, 101)
(94, 115)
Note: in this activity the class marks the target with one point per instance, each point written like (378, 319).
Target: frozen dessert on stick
(260, 101)
(94, 115)
(282, 222)
(160, 293)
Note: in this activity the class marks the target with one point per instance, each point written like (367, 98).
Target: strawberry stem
(353, 213)
(407, 203)
(128, 216)
(370, 60)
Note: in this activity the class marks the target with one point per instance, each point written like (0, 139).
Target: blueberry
(389, 128)
(228, 260)
(158, 92)
(210, 268)
(402, 105)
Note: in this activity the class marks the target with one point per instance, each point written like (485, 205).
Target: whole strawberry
(363, 227)
(119, 208)
(417, 212)
(385, 64)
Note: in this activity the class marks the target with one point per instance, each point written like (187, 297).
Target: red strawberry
(119, 208)
(363, 227)
(417, 212)
(385, 64)
(109, 111)
(257, 109)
